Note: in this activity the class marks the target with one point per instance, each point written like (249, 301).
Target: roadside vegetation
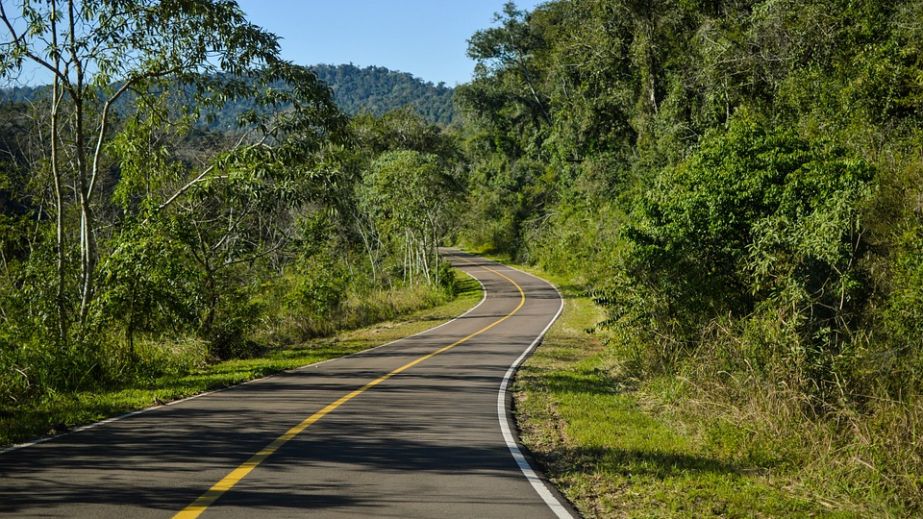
(620, 446)
(738, 186)
(144, 255)
(175, 370)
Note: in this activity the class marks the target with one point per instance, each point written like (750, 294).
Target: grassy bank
(667, 446)
(45, 416)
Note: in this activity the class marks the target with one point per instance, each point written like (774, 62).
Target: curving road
(415, 428)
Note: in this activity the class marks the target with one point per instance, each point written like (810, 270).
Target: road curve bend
(416, 428)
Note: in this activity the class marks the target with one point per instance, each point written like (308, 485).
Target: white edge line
(506, 427)
(206, 393)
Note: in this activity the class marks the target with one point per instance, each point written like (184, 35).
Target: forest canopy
(138, 242)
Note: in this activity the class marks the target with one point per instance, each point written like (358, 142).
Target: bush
(316, 293)
(757, 222)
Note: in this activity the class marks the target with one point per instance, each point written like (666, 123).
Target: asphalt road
(411, 429)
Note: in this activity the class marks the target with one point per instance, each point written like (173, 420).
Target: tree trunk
(59, 208)
(87, 238)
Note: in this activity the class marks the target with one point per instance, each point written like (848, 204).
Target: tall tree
(100, 51)
(409, 196)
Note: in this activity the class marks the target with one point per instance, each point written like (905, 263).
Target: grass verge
(48, 415)
(622, 447)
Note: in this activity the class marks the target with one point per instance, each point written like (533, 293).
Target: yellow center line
(226, 483)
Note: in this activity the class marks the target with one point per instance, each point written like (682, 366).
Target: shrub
(757, 221)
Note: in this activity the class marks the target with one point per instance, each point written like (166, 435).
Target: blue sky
(427, 38)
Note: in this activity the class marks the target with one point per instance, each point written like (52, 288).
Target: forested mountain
(379, 90)
(373, 89)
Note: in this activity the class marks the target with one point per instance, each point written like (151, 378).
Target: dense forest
(738, 183)
(375, 90)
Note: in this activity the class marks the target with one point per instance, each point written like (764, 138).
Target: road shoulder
(616, 447)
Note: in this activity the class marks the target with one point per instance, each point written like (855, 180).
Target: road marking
(506, 428)
(423, 332)
(197, 507)
(129, 414)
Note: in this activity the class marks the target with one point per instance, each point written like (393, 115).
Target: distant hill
(373, 89)
(23, 94)
(378, 90)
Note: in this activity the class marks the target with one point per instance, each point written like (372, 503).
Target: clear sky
(427, 38)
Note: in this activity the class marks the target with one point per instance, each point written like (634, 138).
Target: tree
(99, 52)
(408, 197)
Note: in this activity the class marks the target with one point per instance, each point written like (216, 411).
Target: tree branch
(199, 178)
(103, 120)
(34, 57)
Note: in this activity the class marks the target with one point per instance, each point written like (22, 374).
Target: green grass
(19, 423)
(622, 447)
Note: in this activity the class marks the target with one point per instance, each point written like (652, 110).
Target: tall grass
(267, 319)
(160, 367)
(286, 320)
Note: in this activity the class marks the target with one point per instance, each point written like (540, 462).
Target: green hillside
(370, 89)
(379, 90)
